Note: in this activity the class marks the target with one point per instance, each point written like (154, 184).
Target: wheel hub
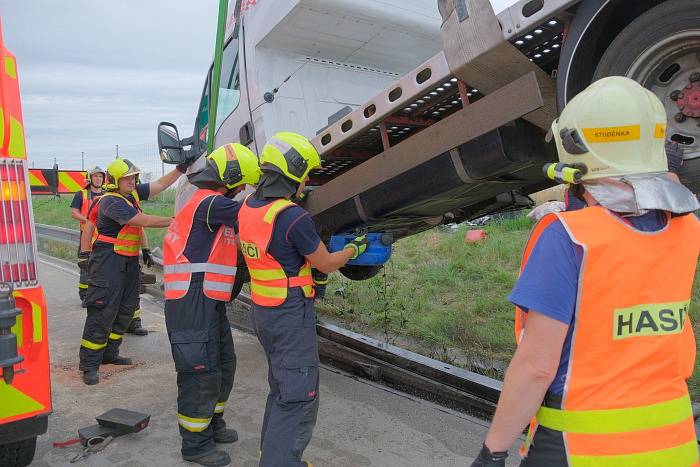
(688, 99)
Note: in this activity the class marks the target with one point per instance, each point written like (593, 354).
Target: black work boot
(226, 435)
(136, 328)
(214, 458)
(118, 361)
(91, 377)
(222, 434)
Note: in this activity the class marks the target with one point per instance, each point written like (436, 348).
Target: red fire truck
(25, 386)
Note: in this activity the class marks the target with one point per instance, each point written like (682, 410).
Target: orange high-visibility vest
(220, 268)
(85, 209)
(626, 401)
(128, 240)
(85, 206)
(269, 283)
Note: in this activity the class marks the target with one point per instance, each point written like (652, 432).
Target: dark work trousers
(547, 448)
(288, 335)
(82, 279)
(111, 299)
(205, 361)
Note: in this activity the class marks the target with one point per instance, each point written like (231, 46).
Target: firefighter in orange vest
(280, 245)
(605, 344)
(199, 271)
(82, 200)
(113, 269)
(135, 327)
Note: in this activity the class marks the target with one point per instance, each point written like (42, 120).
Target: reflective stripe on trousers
(195, 425)
(92, 345)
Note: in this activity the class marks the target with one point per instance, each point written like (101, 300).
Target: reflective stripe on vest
(84, 206)
(220, 407)
(85, 210)
(626, 401)
(220, 268)
(199, 267)
(269, 283)
(128, 240)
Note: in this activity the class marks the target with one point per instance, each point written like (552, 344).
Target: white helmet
(95, 170)
(615, 127)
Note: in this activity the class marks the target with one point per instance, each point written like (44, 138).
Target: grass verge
(447, 299)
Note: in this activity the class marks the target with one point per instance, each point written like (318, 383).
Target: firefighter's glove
(320, 281)
(359, 245)
(147, 258)
(486, 458)
(83, 258)
(674, 155)
(182, 166)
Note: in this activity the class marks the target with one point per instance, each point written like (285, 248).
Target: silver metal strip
(217, 286)
(199, 267)
(411, 90)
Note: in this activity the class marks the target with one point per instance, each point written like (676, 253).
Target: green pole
(216, 74)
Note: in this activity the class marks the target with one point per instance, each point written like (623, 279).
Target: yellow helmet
(292, 154)
(236, 165)
(229, 166)
(615, 127)
(119, 168)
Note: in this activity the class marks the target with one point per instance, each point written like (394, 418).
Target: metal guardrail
(72, 237)
(58, 234)
(364, 356)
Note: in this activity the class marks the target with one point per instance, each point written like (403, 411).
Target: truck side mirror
(169, 144)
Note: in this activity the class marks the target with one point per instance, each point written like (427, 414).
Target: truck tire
(18, 454)
(242, 276)
(661, 49)
(360, 273)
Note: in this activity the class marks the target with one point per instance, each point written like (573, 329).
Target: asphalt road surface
(359, 424)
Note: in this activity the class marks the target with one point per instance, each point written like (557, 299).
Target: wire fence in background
(144, 155)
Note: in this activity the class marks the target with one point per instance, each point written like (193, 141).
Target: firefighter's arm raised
(164, 182)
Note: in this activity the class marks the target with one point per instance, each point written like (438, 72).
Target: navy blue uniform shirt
(293, 236)
(212, 213)
(114, 212)
(77, 201)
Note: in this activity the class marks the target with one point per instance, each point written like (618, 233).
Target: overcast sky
(94, 74)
